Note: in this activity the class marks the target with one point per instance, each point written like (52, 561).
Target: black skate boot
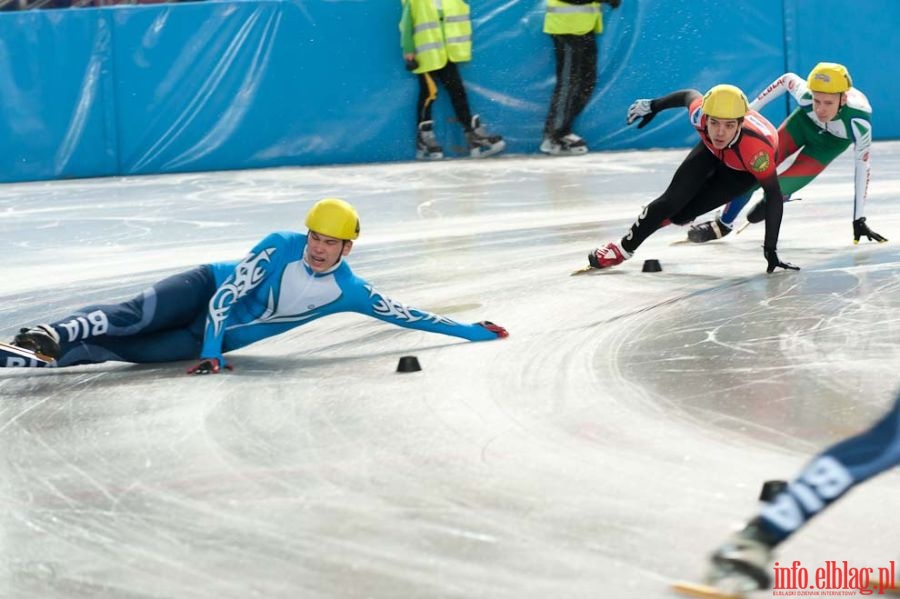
(709, 230)
(567, 145)
(42, 340)
(427, 147)
(482, 143)
(743, 560)
(757, 214)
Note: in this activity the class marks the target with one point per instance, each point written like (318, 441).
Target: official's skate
(481, 143)
(427, 147)
(567, 145)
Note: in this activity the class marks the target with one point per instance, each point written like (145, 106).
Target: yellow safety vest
(437, 42)
(563, 18)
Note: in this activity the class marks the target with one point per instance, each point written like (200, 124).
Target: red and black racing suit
(709, 178)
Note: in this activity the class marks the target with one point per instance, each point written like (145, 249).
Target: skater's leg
(725, 184)
(688, 180)
(171, 304)
(827, 478)
(831, 474)
(734, 207)
(449, 76)
(183, 343)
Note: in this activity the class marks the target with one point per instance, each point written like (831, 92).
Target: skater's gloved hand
(772, 258)
(494, 328)
(411, 63)
(641, 108)
(209, 366)
(613, 3)
(860, 228)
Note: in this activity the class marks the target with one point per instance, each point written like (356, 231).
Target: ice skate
(427, 147)
(609, 255)
(481, 143)
(757, 214)
(742, 563)
(708, 231)
(42, 339)
(567, 145)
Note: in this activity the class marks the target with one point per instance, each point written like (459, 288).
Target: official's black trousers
(576, 77)
(452, 81)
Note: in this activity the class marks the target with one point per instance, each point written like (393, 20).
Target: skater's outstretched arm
(371, 302)
(789, 82)
(646, 109)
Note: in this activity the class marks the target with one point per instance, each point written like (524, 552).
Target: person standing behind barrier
(573, 25)
(435, 35)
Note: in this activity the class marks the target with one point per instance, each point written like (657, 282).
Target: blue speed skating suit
(217, 308)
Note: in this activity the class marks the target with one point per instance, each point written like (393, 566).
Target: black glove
(494, 328)
(208, 366)
(613, 3)
(860, 228)
(772, 258)
(411, 64)
(640, 108)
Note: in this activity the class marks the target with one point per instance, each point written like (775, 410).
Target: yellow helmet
(829, 78)
(334, 218)
(725, 102)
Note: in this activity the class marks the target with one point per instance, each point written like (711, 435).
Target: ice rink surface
(602, 450)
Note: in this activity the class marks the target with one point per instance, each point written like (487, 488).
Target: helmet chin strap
(737, 134)
(331, 268)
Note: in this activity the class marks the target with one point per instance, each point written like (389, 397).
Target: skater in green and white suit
(831, 115)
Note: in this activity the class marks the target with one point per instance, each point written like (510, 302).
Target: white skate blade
(12, 356)
(590, 270)
(584, 270)
(558, 151)
(489, 151)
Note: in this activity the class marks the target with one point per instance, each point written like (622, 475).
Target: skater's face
(826, 106)
(323, 252)
(722, 131)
